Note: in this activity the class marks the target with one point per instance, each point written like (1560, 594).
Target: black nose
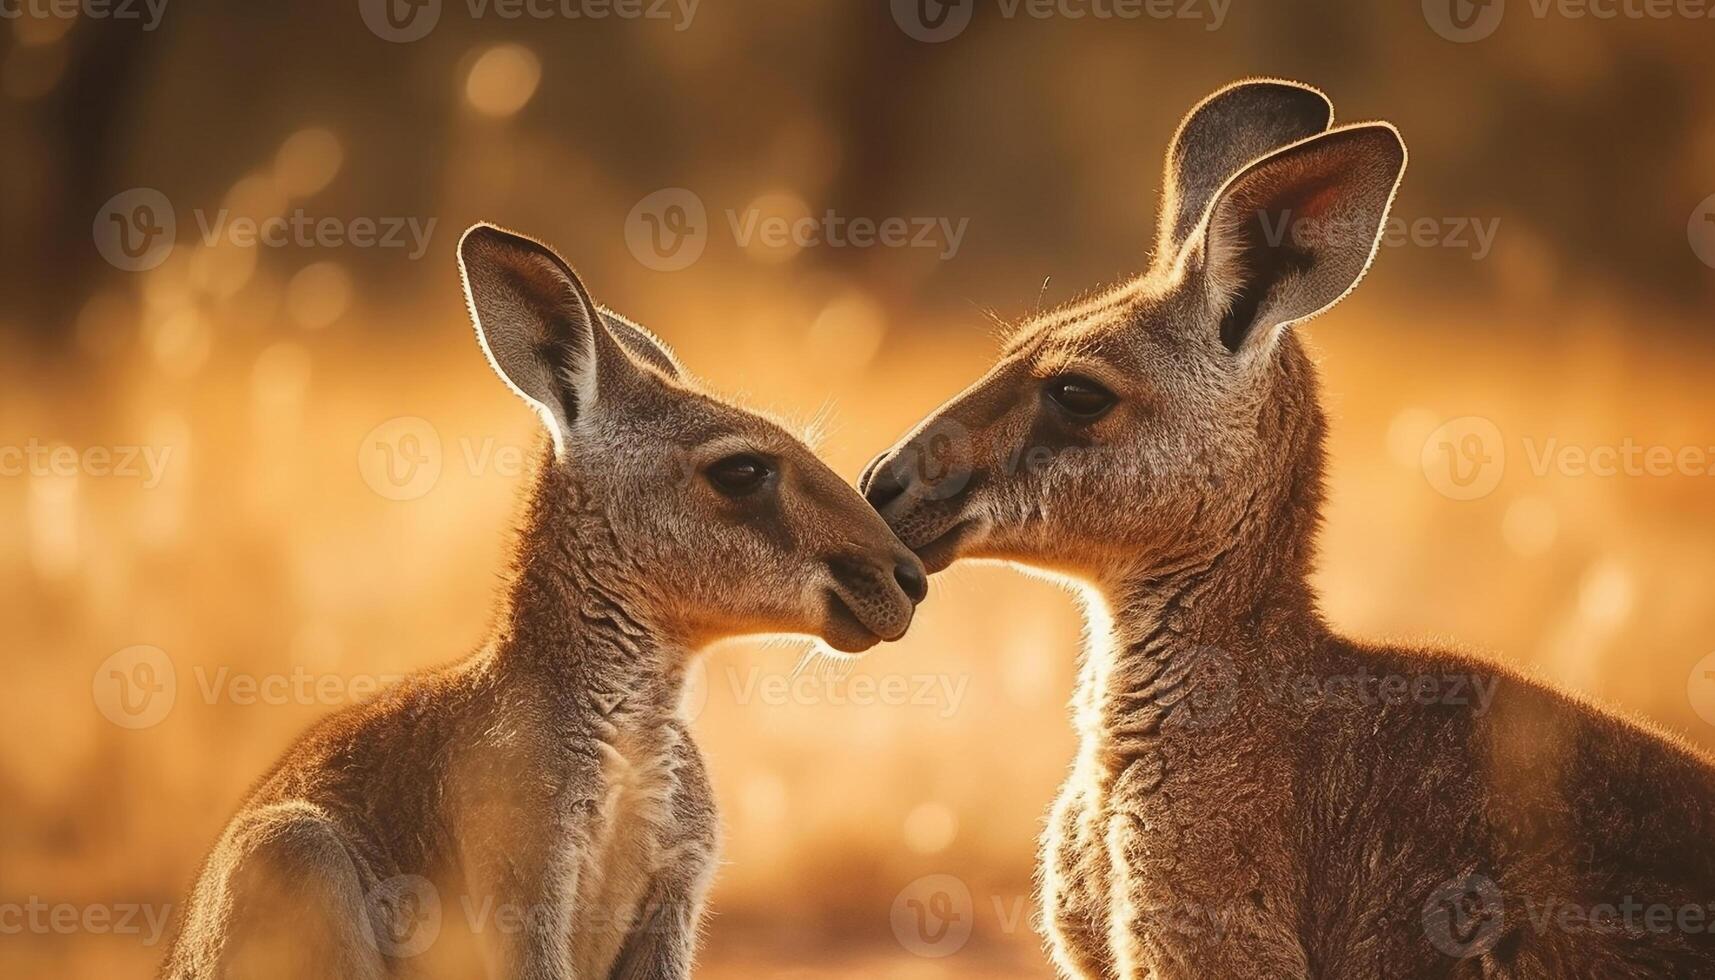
(880, 483)
(910, 578)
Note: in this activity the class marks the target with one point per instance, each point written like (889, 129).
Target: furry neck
(579, 613)
(1173, 641)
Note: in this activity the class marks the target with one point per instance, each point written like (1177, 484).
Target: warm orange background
(264, 549)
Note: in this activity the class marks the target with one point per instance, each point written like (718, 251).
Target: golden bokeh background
(271, 381)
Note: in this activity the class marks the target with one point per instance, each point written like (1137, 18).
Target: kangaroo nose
(910, 577)
(880, 484)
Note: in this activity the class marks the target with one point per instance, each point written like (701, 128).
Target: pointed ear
(1295, 231)
(1219, 137)
(642, 344)
(541, 331)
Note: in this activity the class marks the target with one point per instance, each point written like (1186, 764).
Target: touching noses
(909, 574)
(880, 484)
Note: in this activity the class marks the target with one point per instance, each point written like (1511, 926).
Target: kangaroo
(550, 778)
(1255, 795)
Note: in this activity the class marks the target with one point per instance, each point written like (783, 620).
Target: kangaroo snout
(923, 495)
(879, 483)
(870, 600)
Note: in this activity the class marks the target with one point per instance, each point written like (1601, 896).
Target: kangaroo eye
(739, 474)
(1080, 396)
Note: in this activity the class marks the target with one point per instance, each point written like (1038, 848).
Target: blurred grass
(264, 550)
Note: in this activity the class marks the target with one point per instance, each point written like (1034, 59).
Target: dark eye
(739, 474)
(1080, 396)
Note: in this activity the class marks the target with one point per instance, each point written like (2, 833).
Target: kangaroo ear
(1294, 232)
(1224, 132)
(541, 331)
(642, 344)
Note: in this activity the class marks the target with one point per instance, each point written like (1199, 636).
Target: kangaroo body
(545, 791)
(544, 797)
(1254, 795)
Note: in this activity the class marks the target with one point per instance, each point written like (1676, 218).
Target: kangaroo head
(712, 518)
(1129, 431)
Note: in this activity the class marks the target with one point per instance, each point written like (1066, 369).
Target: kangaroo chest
(633, 836)
(1158, 829)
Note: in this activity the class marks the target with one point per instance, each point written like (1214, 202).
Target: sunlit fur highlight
(551, 779)
(1215, 821)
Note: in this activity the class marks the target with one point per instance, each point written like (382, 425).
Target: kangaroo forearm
(659, 947)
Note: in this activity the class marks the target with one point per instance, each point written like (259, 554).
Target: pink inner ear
(1320, 199)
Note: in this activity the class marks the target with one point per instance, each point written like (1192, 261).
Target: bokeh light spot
(308, 161)
(502, 80)
(930, 828)
(318, 294)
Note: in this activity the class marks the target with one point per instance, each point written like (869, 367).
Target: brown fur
(549, 781)
(1240, 805)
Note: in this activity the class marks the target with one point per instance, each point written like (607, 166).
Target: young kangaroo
(549, 780)
(1255, 795)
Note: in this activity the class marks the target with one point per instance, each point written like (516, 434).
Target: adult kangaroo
(1254, 794)
(549, 784)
